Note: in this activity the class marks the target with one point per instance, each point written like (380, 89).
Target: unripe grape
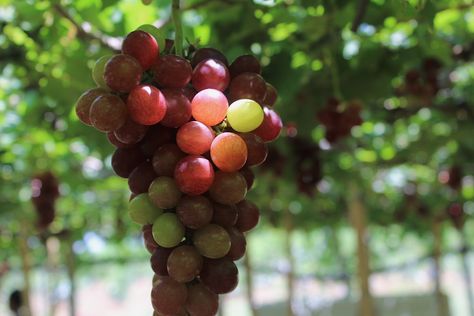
(245, 115)
(142, 211)
(168, 230)
(98, 71)
(156, 33)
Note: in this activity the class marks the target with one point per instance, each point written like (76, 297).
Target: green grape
(142, 211)
(245, 115)
(156, 33)
(147, 2)
(98, 71)
(168, 231)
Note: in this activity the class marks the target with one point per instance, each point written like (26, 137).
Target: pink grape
(229, 152)
(194, 138)
(211, 74)
(209, 106)
(194, 175)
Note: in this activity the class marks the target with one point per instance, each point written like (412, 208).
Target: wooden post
(437, 242)
(26, 268)
(249, 283)
(359, 222)
(70, 266)
(288, 222)
(467, 272)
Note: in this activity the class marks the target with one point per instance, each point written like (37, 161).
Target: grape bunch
(452, 177)
(422, 84)
(455, 212)
(44, 193)
(339, 118)
(187, 132)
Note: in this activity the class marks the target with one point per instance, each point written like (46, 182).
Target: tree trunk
(71, 272)
(467, 272)
(288, 222)
(52, 261)
(333, 240)
(26, 269)
(249, 283)
(359, 222)
(437, 241)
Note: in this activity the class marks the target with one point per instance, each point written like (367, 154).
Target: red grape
(229, 152)
(194, 175)
(248, 86)
(189, 92)
(184, 263)
(166, 158)
(150, 243)
(245, 63)
(131, 132)
(171, 71)
(122, 73)
(201, 301)
(271, 96)
(142, 46)
(270, 127)
(168, 296)
(248, 216)
(194, 138)
(209, 106)
(228, 188)
(194, 211)
(114, 141)
(256, 148)
(249, 177)
(159, 259)
(219, 275)
(156, 136)
(125, 160)
(146, 105)
(83, 104)
(210, 74)
(207, 53)
(238, 244)
(108, 113)
(224, 215)
(141, 178)
(178, 108)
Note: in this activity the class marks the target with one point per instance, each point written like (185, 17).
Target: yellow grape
(245, 115)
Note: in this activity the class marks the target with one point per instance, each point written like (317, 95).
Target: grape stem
(178, 39)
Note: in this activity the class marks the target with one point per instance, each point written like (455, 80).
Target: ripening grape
(108, 113)
(194, 175)
(238, 244)
(122, 73)
(141, 178)
(248, 216)
(257, 149)
(98, 71)
(125, 160)
(212, 241)
(245, 63)
(219, 275)
(166, 158)
(194, 211)
(131, 132)
(194, 138)
(208, 53)
(224, 215)
(168, 296)
(245, 115)
(211, 74)
(142, 211)
(172, 71)
(229, 152)
(178, 108)
(248, 86)
(146, 105)
(184, 263)
(270, 127)
(201, 301)
(209, 106)
(228, 188)
(159, 260)
(164, 193)
(270, 96)
(83, 104)
(168, 230)
(142, 46)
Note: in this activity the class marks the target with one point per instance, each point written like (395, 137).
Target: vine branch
(361, 10)
(178, 40)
